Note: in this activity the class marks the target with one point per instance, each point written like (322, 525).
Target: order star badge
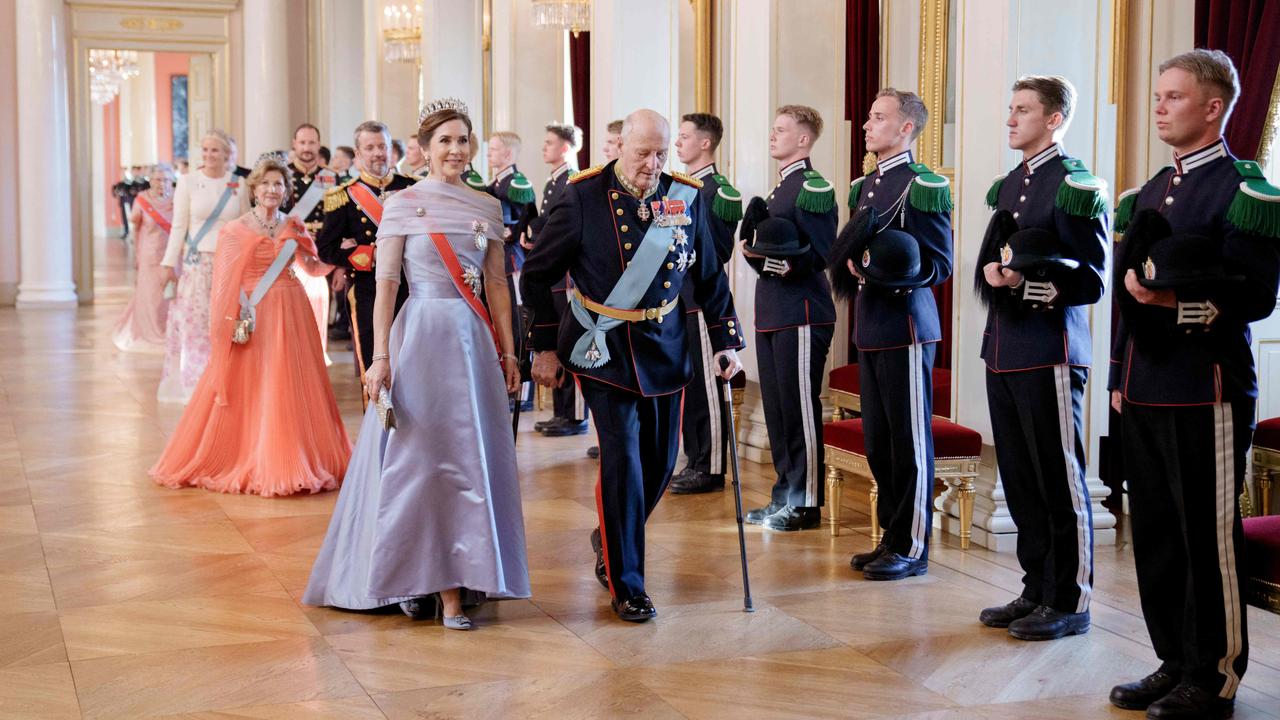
(471, 276)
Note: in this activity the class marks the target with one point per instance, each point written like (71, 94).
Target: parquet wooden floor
(120, 599)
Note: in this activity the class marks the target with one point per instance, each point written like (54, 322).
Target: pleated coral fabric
(263, 419)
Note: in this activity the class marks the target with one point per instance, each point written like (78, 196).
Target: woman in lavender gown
(432, 506)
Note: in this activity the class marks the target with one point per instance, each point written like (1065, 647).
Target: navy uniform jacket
(513, 216)
(883, 320)
(301, 183)
(551, 192)
(1024, 334)
(591, 232)
(1197, 367)
(721, 231)
(344, 220)
(803, 296)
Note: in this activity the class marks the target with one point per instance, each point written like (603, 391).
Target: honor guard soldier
(703, 428)
(896, 329)
(795, 318)
(352, 213)
(569, 410)
(1040, 267)
(1197, 264)
(515, 193)
(630, 236)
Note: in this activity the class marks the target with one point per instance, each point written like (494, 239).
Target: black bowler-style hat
(892, 260)
(1035, 249)
(1183, 260)
(776, 238)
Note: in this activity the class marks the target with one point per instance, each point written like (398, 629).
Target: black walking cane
(526, 366)
(726, 401)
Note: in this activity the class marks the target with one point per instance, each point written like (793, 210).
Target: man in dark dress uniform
(1183, 381)
(704, 429)
(352, 212)
(513, 191)
(896, 332)
(1037, 287)
(311, 180)
(569, 410)
(795, 319)
(630, 236)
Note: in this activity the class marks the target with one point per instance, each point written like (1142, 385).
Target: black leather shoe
(791, 518)
(757, 516)
(566, 428)
(636, 609)
(1192, 701)
(1000, 617)
(892, 566)
(697, 482)
(544, 424)
(1139, 694)
(1045, 623)
(859, 561)
(593, 452)
(601, 576)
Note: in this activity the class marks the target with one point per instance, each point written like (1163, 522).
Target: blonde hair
(264, 166)
(224, 139)
(510, 139)
(806, 116)
(1213, 70)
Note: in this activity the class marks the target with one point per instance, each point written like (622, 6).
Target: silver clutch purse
(386, 411)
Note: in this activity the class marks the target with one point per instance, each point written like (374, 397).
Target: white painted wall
(528, 82)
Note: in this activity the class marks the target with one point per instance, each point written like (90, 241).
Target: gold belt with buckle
(314, 227)
(637, 315)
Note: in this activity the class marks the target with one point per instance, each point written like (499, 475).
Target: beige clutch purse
(386, 412)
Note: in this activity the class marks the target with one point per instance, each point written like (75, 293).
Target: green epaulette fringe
(728, 203)
(473, 179)
(930, 192)
(520, 191)
(993, 192)
(1081, 193)
(816, 195)
(855, 192)
(1256, 206)
(1124, 210)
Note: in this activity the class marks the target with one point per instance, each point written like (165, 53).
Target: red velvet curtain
(1247, 31)
(861, 83)
(580, 74)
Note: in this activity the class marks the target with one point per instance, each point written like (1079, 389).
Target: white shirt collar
(1201, 156)
(705, 171)
(902, 158)
(1042, 157)
(801, 164)
(562, 169)
(504, 172)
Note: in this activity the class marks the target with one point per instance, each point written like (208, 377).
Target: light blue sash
(591, 351)
(249, 303)
(193, 241)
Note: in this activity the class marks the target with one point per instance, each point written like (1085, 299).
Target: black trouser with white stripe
(704, 428)
(897, 409)
(1185, 472)
(791, 365)
(637, 454)
(1037, 420)
(566, 401)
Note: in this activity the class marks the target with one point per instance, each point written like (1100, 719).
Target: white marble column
(635, 59)
(338, 61)
(266, 70)
(453, 54)
(44, 141)
(138, 115)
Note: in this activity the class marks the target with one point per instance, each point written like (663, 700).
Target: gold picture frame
(935, 73)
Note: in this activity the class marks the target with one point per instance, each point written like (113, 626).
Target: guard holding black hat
(1183, 381)
(1040, 267)
(787, 240)
(897, 245)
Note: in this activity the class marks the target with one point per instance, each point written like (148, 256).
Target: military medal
(680, 237)
(1006, 254)
(1149, 269)
(479, 228)
(686, 259)
(471, 276)
(643, 212)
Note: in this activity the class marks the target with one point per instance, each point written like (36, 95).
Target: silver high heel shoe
(451, 622)
(420, 608)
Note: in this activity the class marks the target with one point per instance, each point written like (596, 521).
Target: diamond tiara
(449, 103)
(276, 155)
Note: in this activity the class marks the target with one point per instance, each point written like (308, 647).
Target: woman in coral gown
(262, 419)
(432, 507)
(141, 328)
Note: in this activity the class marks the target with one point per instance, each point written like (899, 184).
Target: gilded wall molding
(933, 79)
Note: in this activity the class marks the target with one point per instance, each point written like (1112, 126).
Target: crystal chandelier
(107, 70)
(571, 15)
(402, 33)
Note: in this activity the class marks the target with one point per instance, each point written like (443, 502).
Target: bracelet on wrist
(510, 355)
(381, 356)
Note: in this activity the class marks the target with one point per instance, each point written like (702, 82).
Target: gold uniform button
(624, 228)
(368, 232)
(731, 323)
(732, 331)
(671, 248)
(626, 246)
(671, 266)
(666, 284)
(613, 195)
(664, 303)
(619, 211)
(364, 219)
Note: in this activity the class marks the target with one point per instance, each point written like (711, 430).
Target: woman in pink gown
(141, 328)
(262, 420)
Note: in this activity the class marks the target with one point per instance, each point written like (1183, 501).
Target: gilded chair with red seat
(846, 392)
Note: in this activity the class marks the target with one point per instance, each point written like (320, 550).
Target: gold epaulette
(592, 171)
(337, 197)
(686, 179)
